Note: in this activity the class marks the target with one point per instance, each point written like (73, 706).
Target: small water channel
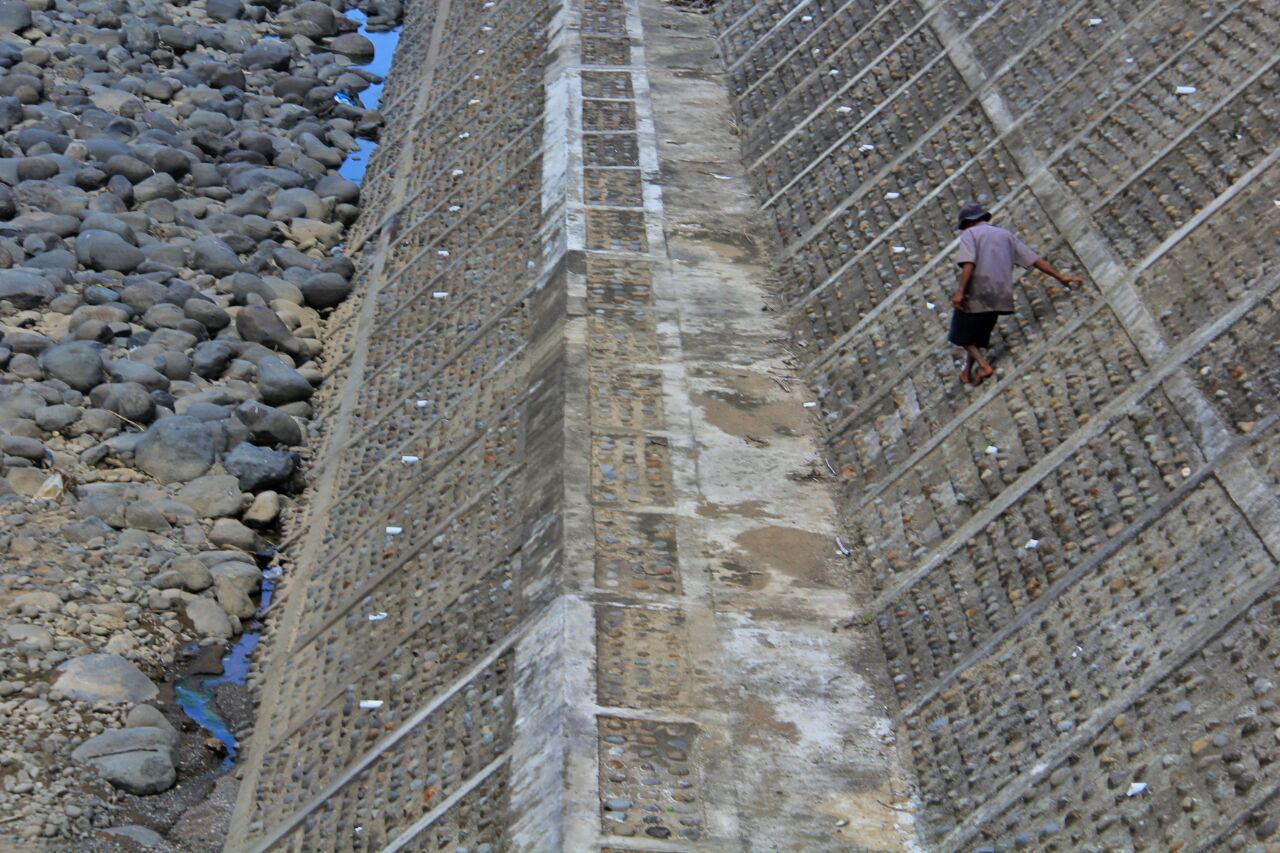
(196, 694)
(384, 48)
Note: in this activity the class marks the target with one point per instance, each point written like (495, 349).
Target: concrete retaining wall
(1074, 564)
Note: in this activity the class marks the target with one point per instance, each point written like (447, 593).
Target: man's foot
(983, 373)
(964, 377)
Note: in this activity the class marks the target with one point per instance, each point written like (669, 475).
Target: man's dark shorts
(972, 329)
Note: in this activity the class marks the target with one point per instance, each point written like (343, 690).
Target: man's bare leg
(984, 367)
(968, 368)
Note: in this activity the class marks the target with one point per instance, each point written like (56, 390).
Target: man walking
(986, 257)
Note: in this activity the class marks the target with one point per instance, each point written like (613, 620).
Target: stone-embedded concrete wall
(1073, 565)
(419, 562)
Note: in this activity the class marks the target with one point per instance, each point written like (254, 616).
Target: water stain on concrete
(807, 557)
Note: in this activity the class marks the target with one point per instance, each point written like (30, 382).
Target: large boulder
(259, 467)
(280, 384)
(79, 364)
(269, 425)
(138, 760)
(208, 618)
(15, 16)
(105, 250)
(258, 324)
(324, 289)
(213, 496)
(175, 450)
(24, 290)
(127, 399)
(104, 678)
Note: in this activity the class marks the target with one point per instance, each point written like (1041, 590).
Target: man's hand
(957, 299)
(1071, 280)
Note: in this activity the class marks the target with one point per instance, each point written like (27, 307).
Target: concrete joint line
(372, 754)
(1113, 545)
(1102, 717)
(494, 320)
(835, 16)
(1219, 840)
(976, 93)
(439, 811)
(815, 73)
(372, 584)
(417, 433)
(981, 88)
(1182, 137)
(974, 407)
(454, 262)
(782, 22)
(741, 19)
(1117, 407)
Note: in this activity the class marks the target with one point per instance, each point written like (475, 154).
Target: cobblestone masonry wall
(1074, 565)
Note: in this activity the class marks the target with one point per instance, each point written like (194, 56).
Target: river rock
(279, 383)
(104, 250)
(127, 399)
(175, 450)
(104, 678)
(208, 618)
(79, 364)
(15, 16)
(268, 425)
(213, 496)
(138, 760)
(25, 290)
(259, 467)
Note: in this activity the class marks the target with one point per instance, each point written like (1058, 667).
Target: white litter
(1278, 202)
(844, 552)
(892, 196)
(992, 450)
(1031, 545)
(473, 102)
(464, 135)
(866, 146)
(1093, 22)
(480, 52)
(422, 404)
(930, 305)
(409, 460)
(394, 531)
(810, 405)
(834, 72)
(371, 704)
(456, 173)
(486, 28)
(377, 617)
(1185, 90)
(454, 208)
(1137, 788)
(439, 294)
(721, 177)
(898, 250)
(842, 822)
(444, 253)
(806, 18)
(844, 109)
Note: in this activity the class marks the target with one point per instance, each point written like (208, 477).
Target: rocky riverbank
(171, 215)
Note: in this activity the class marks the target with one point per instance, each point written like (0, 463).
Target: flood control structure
(600, 555)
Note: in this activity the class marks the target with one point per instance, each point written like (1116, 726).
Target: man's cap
(972, 212)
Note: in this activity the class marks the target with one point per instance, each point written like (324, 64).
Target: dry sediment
(171, 216)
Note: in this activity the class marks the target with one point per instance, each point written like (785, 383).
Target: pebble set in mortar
(170, 202)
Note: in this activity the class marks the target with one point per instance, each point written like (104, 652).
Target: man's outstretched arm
(1047, 268)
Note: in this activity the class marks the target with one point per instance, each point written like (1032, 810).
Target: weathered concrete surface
(568, 580)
